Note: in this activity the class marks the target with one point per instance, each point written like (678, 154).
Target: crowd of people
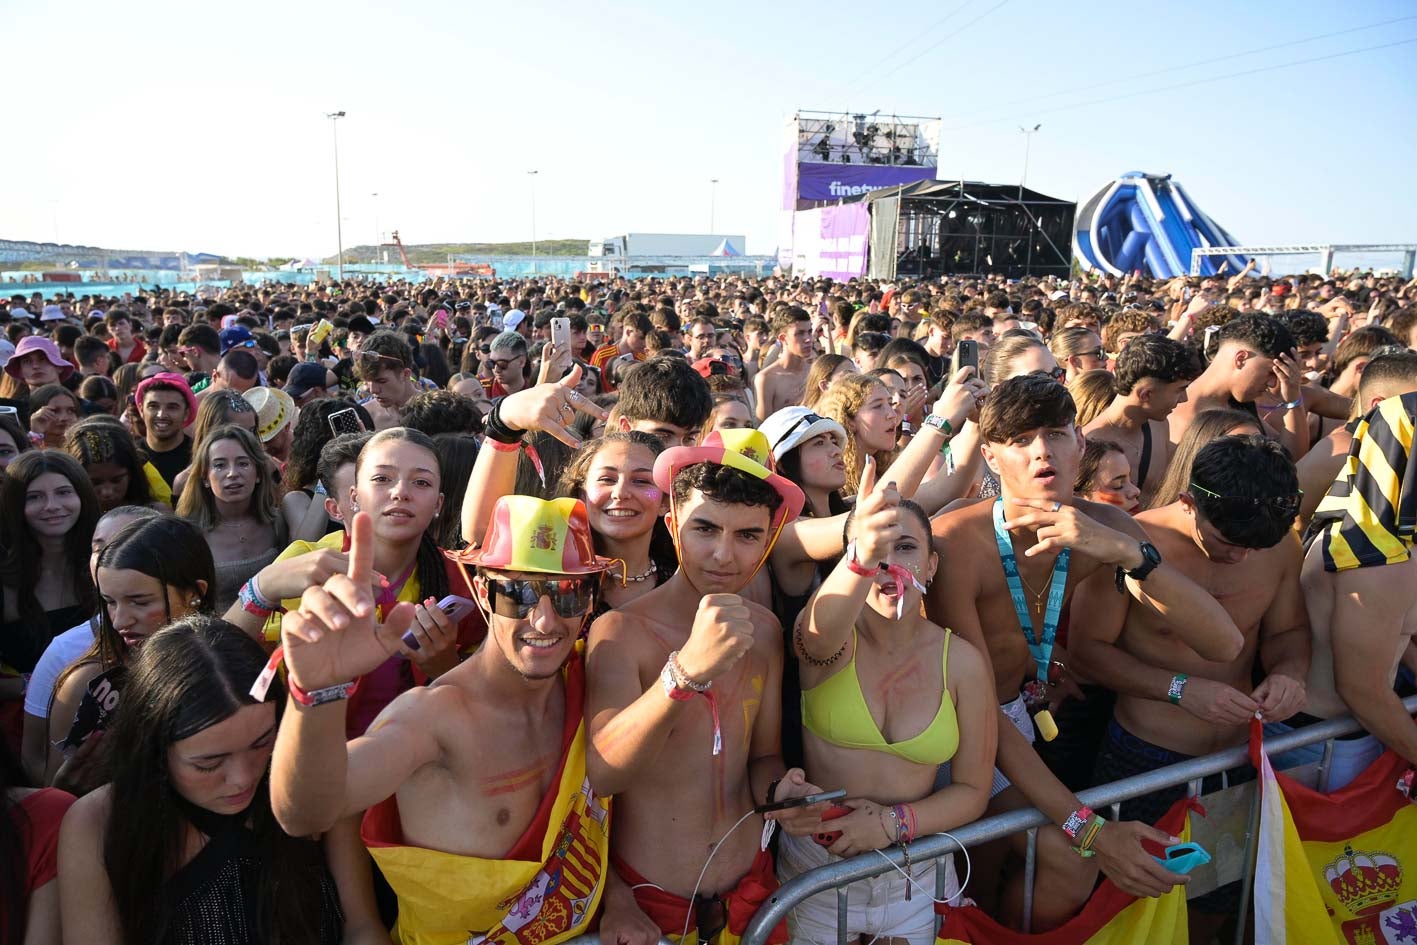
(507, 611)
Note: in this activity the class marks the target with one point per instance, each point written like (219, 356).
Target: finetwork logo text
(837, 189)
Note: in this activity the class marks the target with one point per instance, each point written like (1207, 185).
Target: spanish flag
(1111, 917)
(1336, 869)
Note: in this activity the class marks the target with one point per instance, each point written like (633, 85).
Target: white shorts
(875, 907)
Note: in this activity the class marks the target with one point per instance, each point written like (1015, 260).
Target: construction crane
(450, 269)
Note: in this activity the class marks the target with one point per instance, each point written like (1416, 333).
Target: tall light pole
(713, 204)
(378, 240)
(334, 118)
(1027, 140)
(532, 175)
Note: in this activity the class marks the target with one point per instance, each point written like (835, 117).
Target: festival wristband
(1076, 821)
(1177, 687)
(502, 447)
(854, 565)
(321, 696)
(1090, 831)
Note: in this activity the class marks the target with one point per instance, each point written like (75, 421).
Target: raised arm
(958, 403)
(544, 407)
(824, 626)
(333, 639)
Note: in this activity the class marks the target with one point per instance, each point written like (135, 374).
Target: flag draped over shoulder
(1111, 917)
(1336, 869)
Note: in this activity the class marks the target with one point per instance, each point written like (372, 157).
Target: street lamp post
(1027, 140)
(713, 205)
(334, 118)
(532, 175)
(378, 240)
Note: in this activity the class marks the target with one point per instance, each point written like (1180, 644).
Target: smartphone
(346, 421)
(1184, 857)
(455, 608)
(807, 801)
(440, 318)
(561, 338)
(966, 355)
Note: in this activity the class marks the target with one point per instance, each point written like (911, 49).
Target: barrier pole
(865, 866)
(1247, 882)
(1030, 874)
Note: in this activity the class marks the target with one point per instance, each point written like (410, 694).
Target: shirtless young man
(1151, 379)
(1360, 582)
(683, 703)
(1387, 375)
(1031, 444)
(784, 382)
(465, 772)
(1230, 532)
(1251, 354)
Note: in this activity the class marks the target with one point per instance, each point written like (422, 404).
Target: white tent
(726, 249)
(296, 264)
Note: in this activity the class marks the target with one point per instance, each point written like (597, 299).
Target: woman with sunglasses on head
(150, 573)
(47, 515)
(182, 846)
(231, 497)
(1078, 350)
(879, 722)
(218, 408)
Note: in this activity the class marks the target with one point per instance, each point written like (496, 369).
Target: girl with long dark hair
(181, 847)
(151, 573)
(115, 466)
(47, 515)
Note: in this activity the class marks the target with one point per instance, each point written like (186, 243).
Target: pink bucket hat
(32, 343)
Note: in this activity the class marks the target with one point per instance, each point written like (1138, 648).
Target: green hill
(424, 253)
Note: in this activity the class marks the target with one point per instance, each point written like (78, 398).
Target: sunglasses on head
(1281, 504)
(374, 357)
(518, 597)
(1056, 374)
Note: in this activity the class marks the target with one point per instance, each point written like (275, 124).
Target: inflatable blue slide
(1147, 222)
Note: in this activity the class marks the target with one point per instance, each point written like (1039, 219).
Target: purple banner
(840, 181)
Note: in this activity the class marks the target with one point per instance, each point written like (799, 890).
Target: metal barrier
(936, 847)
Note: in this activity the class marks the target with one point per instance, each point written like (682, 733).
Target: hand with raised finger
(550, 408)
(288, 579)
(335, 636)
(876, 518)
(431, 639)
(1124, 861)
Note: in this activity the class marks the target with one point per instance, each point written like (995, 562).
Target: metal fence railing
(840, 874)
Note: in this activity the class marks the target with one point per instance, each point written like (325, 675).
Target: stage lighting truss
(855, 138)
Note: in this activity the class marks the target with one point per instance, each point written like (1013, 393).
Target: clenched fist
(721, 635)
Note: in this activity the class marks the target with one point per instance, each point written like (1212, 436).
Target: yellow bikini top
(836, 712)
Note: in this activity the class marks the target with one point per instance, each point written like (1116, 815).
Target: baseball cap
(52, 313)
(304, 378)
(361, 324)
(790, 427)
(19, 311)
(512, 319)
(237, 336)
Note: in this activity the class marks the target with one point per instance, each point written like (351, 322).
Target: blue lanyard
(1041, 650)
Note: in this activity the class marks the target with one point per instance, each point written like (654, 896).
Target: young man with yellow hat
(479, 812)
(684, 702)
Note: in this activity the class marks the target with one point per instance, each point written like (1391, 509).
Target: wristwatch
(1150, 559)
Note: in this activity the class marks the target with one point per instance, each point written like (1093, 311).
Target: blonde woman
(231, 497)
(862, 405)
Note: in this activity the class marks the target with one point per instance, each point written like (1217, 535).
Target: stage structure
(830, 157)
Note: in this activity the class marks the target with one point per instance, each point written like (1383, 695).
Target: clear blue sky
(200, 127)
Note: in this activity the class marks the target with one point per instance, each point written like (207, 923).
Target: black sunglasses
(1281, 504)
(806, 418)
(517, 597)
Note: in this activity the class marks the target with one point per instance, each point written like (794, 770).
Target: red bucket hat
(175, 382)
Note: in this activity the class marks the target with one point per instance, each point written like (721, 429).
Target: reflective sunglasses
(1281, 504)
(517, 597)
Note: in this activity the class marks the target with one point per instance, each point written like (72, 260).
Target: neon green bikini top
(836, 712)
